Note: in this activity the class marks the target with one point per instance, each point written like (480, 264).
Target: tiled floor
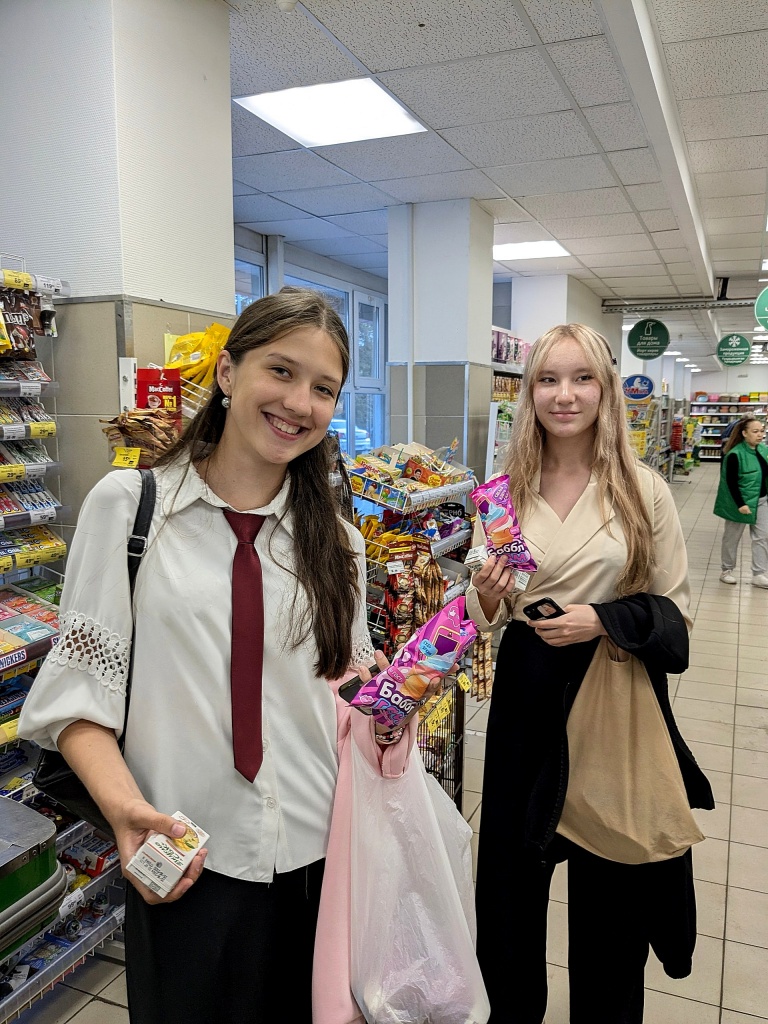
(721, 706)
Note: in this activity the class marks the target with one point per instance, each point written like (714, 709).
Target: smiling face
(282, 396)
(566, 393)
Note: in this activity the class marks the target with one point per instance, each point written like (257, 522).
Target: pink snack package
(499, 519)
(430, 653)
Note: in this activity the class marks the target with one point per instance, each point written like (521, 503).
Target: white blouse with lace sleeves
(84, 676)
(362, 648)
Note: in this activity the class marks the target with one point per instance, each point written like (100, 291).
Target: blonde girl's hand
(137, 821)
(579, 624)
(495, 580)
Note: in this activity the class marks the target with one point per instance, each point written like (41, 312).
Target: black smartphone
(546, 608)
(353, 686)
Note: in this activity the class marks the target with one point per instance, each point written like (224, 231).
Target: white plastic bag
(413, 919)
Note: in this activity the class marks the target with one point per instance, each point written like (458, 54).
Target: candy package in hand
(429, 654)
(499, 519)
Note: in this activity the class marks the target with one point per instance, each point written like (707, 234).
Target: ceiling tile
(718, 66)
(680, 268)
(635, 166)
(505, 211)
(429, 188)
(577, 204)
(733, 206)
(555, 20)
(239, 188)
(251, 135)
(387, 34)
(668, 239)
(337, 199)
(728, 268)
(727, 155)
(641, 291)
(736, 240)
(649, 197)
(587, 245)
(530, 232)
(400, 157)
(620, 259)
(260, 29)
(260, 207)
(617, 126)
(732, 225)
(589, 70)
(731, 183)
(686, 280)
(723, 255)
(342, 246)
(675, 255)
(520, 139)
(677, 20)
(372, 223)
(293, 230)
(725, 117)
(368, 261)
(556, 265)
(482, 89)
(643, 270)
(590, 227)
(634, 283)
(273, 172)
(546, 176)
(659, 220)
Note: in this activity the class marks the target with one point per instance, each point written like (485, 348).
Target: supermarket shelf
(458, 588)
(23, 431)
(27, 470)
(440, 547)
(511, 369)
(27, 388)
(743, 404)
(36, 986)
(27, 654)
(15, 520)
(20, 560)
(72, 835)
(417, 501)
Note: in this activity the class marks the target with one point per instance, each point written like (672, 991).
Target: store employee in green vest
(742, 498)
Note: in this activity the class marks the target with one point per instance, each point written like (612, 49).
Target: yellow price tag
(6, 563)
(13, 472)
(126, 458)
(8, 733)
(26, 559)
(440, 712)
(463, 680)
(45, 429)
(17, 279)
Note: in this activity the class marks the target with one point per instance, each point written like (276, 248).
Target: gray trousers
(759, 534)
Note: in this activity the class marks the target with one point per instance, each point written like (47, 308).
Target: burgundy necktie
(247, 644)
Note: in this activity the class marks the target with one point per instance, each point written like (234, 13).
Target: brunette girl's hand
(135, 823)
(383, 664)
(579, 624)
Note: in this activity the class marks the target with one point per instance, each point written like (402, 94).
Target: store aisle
(721, 705)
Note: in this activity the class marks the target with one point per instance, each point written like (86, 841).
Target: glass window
(340, 423)
(369, 420)
(369, 355)
(249, 284)
(335, 297)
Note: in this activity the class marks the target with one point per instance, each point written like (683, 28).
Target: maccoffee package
(500, 523)
(430, 653)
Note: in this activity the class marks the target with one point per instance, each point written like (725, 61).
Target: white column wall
(538, 303)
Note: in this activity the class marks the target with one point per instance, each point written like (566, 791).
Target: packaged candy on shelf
(500, 523)
(429, 654)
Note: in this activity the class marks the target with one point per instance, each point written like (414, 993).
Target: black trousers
(228, 951)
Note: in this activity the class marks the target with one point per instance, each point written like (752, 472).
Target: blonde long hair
(613, 461)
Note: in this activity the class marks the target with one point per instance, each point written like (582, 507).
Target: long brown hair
(613, 460)
(736, 436)
(324, 563)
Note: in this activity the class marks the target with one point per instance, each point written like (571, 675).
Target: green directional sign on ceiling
(761, 308)
(648, 339)
(733, 350)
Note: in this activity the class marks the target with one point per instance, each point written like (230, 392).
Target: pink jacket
(332, 999)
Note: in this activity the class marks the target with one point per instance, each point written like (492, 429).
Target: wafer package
(500, 524)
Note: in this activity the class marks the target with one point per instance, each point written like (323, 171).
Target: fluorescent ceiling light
(765, 265)
(675, 353)
(528, 251)
(627, 327)
(689, 366)
(760, 337)
(762, 280)
(336, 112)
(683, 360)
(695, 369)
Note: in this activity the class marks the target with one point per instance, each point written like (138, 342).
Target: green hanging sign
(761, 308)
(733, 349)
(648, 339)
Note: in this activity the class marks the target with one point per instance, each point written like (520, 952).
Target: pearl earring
(226, 401)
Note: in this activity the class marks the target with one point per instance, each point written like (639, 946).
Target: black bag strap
(137, 546)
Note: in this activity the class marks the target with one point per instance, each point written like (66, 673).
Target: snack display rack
(713, 416)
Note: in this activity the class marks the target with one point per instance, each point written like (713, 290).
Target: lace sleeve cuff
(87, 645)
(362, 650)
